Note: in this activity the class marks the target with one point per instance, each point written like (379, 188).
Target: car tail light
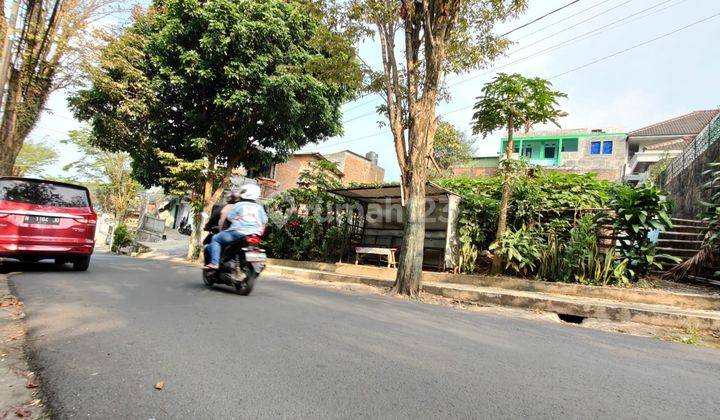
(90, 219)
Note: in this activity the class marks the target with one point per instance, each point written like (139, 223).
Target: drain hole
(571, 319)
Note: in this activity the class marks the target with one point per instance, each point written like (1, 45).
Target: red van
(42, 219)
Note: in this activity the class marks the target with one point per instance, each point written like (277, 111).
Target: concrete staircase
(684, 241)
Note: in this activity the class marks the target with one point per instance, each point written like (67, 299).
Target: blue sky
(667, 77)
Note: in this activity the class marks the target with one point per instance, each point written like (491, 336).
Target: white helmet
(250, 192)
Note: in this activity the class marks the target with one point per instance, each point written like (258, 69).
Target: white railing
(709, 135)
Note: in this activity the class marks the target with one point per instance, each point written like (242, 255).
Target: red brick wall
(287, 173)
(358, 169)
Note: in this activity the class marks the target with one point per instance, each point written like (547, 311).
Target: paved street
(103, 338)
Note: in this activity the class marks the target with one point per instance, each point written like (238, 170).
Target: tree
(33, 158)
(451, 147)
(43, 43)
(207, 87)
(513, 102)
(438, 37)
(107, 174)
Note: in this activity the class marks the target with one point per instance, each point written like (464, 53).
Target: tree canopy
(451, 147)
(514, 101)
(230, 82)
(33, 158)
(207, 87)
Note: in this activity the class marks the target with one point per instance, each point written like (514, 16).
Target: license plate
(254, 256)
(42, 220)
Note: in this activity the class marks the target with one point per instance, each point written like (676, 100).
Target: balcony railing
(709, 135)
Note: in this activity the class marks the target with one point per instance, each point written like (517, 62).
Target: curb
(656, 315)
(623, 295)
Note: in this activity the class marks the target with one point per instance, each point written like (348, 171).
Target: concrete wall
(474, 172)
(686, 188)
(608, 166)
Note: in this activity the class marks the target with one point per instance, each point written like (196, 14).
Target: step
(692, 222)
(658, 315)
(688, 229)
(680, 243)
(691, 236)
(678, 252)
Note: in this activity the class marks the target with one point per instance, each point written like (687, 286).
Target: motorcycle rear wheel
(245, 286)
(208, 278)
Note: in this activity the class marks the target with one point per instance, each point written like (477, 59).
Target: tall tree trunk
(497, 261)
(9, 142)
(422, 130)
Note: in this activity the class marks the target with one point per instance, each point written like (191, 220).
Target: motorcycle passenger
(246, 217)
(213, 224)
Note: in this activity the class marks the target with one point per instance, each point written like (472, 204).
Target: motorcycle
(241, 263)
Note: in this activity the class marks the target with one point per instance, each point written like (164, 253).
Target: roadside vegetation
(560, 227)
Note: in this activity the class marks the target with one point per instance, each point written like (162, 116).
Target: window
(607, 147)
(528, 152)
(549, 151)
(570, 145)
(43, 193)
(595, 148)
(516, 148)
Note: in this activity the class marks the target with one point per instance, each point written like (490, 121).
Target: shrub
(122, 238)
(639, 211)
(521, 250)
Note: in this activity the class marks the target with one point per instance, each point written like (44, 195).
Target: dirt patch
(676, 287)
(19, 387)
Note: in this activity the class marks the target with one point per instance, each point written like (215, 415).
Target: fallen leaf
(23, 412)
(31, 385)
(159, 386)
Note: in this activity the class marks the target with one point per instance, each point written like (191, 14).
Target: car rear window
(43, 193)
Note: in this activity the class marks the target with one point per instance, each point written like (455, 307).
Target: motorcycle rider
(246, 217)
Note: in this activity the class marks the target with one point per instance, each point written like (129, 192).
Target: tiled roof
(688, 124)
(674, 144)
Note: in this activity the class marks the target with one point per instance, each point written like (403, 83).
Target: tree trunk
(497, 261)
(9, 142)
(410, 262)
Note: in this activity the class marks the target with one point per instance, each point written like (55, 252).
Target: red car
(42, 219)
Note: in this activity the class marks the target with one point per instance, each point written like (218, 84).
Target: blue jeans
(221, 240)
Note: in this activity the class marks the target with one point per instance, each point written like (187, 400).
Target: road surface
(102, 339)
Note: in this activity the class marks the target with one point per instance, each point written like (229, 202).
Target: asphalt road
(102, 339)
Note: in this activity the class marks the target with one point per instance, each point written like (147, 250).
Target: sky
(624, 64)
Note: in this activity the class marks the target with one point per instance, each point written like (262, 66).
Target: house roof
(688, 124)
(674, 144)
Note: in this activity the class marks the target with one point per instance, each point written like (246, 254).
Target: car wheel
(81, 264)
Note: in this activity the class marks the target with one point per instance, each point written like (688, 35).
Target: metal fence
(709, 135)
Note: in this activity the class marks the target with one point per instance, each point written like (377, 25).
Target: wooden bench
(388, 253)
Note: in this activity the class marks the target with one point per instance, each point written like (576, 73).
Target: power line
(509, 32)
(559, 21)
(596, 29)
(607, 57)
(665, 35)
(561, 44)
(601, 59)
(539, 18)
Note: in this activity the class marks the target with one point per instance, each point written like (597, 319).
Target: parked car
(42, 219)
